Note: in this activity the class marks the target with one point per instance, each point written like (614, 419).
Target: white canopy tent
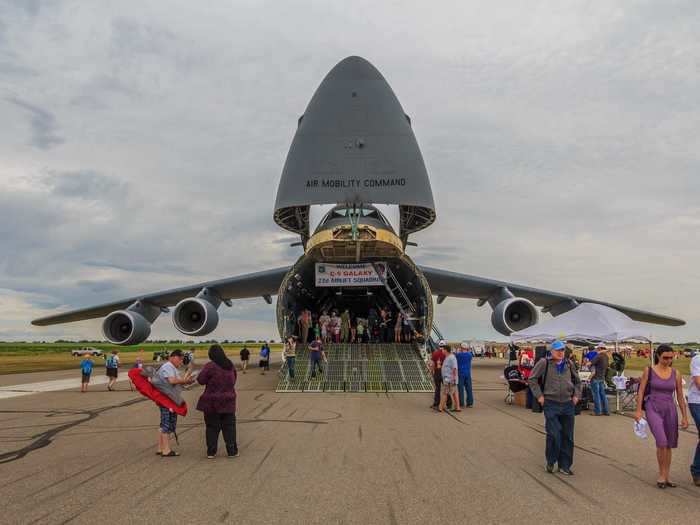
(589, 322)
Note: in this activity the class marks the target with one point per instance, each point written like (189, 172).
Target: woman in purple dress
(656, 390)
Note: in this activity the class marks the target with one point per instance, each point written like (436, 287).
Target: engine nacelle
(197, 315)
(513, 314)
(125, 327)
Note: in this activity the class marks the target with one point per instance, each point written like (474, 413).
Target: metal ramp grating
(382, 367)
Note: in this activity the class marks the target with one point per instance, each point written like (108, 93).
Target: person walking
(245, 357)
(449, 381)
(112, 369)
(435, 363)
(86, 366)
(600, 363)
(290, 354)
(169, 373)
(694, 407)
(372, 324)
(464, 368)
(315, 355)
(655, 397)
(556, 386)
(218, 402)
(264, 358)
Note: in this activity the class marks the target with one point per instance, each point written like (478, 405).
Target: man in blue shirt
(464, 368)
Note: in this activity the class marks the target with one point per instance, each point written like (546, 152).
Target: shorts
(168, 421)
(112, 372)
(448, 388)
(86, 378)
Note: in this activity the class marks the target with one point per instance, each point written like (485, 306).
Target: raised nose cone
(354, 68)
(354, 144)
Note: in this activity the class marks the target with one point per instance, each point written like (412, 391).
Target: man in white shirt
(694, 406)
(449, 381)
(169, 373)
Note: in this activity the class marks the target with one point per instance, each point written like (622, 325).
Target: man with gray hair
(600, 364)
(556, 386)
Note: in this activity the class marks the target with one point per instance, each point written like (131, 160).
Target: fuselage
(354, 241)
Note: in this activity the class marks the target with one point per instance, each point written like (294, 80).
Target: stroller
(516, 382)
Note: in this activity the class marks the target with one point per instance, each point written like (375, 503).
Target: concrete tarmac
(67, 457)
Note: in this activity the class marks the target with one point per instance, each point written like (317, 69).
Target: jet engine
(513, 314)
(126, 327)
(197, 315)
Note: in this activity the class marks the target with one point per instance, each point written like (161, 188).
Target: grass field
(18, 358)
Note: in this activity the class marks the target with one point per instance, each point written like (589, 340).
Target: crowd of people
(452, 375)
(382, 325)
(555, 384)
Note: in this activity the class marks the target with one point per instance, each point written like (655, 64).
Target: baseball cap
(601, 346)
(558, 345)
(464, 346)
(442, 342)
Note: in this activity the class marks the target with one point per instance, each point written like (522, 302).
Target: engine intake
(197, 315)
(125, 327)
(511, 315)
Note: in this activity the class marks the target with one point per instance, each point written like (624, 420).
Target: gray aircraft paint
(326, 146)
(354, 144)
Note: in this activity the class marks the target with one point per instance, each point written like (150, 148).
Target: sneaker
(210, 457)
(696, 481)
(566, 471)
(606, 413)
(235, 454)
(549, 468)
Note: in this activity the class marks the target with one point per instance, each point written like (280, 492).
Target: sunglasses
(666, 357)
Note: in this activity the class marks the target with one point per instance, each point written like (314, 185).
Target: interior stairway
(377, 367)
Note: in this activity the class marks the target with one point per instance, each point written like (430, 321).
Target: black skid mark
(44, 439)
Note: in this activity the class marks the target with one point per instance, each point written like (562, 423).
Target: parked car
(86, 350)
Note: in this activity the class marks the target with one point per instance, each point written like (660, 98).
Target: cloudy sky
(141, 146)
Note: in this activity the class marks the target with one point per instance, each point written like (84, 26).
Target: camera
(187, 358)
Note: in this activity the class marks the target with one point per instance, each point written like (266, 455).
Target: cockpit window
(339, 213)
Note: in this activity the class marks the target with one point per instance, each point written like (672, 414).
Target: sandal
(661, 484)
(170, 454)
(671, 484)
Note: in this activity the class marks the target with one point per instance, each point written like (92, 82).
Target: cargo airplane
(354, 149)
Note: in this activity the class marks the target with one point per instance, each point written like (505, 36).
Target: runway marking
(268, 407)
(7, 392)
(544, 486)
(45, 438)
(267, 455)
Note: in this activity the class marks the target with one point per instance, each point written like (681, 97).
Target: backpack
(543, 378)
(111, 363)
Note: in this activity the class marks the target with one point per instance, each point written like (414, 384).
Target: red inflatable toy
(144, 386)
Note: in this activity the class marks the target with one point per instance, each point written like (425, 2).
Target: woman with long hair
(218, 402)
(656, 390)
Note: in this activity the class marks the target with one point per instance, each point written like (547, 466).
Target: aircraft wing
(258, 284)
(444, 283)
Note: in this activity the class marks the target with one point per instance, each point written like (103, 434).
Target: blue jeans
(600, 400)
(559, 424)
(290, 366)
(695, 412)
(465, 383)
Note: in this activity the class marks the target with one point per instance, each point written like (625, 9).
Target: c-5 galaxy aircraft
(354, 149)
